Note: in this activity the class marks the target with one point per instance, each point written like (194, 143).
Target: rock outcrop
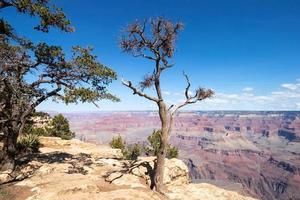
(76, 170)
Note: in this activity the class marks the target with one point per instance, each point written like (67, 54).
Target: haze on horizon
(247, 51)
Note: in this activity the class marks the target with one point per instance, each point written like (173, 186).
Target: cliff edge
(71, 169)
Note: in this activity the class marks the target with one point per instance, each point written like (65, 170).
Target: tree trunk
(160, 163)
(9, 150)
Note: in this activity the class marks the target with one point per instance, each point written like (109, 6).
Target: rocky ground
(76, 170)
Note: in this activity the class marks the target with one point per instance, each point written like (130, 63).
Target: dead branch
(138, 92)
(200, 95)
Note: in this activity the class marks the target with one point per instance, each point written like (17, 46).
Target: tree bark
(160, 163)
(9, 150)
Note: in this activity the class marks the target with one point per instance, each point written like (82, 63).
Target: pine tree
(60, 128)
(80, 78)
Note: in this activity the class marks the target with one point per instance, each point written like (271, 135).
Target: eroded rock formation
(255, 152)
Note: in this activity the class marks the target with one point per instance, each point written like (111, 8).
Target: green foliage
(172, 152)
(131, 152)
(79, 77)
(28, 143)
(39, 131)
(40, 114)
(155, 141)
(60, 128)
(29, 127)
(48, 14)
(117, 143)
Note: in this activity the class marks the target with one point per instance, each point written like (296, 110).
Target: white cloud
(247, 89)
(285, 98)
(218, 101)
(290, 86)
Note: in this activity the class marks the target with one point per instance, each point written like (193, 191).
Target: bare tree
(154, 40)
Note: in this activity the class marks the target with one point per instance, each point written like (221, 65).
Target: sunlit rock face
(77, 170)
(253, 152)
(266, 175)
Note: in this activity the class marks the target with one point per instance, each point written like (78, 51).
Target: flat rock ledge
(71, 169)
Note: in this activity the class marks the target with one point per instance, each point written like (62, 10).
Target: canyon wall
(253, 152)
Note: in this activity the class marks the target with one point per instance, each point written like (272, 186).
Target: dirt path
(12, 192)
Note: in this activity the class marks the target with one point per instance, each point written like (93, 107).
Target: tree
(117, 143)
(32, 73)
(60, 128)
(155, 40)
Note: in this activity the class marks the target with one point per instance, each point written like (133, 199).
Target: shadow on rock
(130, 168)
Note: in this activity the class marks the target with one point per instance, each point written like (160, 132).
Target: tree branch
(144, 56)
(136, 91)
(200, 95)
(40, 81)
(188, 85)
(39, 101)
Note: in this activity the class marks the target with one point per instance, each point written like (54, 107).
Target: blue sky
(248, 51)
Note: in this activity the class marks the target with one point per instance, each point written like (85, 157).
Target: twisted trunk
(12, 128)
(8, 153)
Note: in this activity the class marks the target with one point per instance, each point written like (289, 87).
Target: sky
(247, 51)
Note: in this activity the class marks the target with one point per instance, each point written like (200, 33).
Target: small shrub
(172, 152)
(155, 141)
(40, 114)
(57, 127)
(28, 143)
(117, 143)
(39, 131)
(60, 128)
(30, 127)
(132, 152)
(148, 151)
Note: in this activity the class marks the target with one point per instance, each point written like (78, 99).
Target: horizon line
(182, 111)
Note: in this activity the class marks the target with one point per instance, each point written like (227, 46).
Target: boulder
(21, 173)
(176, 172)
(121, 179)
(5, 177)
